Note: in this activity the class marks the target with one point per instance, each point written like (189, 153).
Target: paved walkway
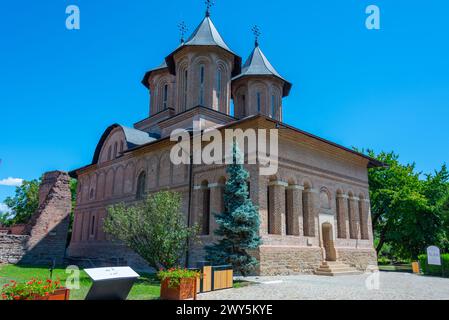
(390, 286)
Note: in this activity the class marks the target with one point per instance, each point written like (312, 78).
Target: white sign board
(433, 256)
(111, 273)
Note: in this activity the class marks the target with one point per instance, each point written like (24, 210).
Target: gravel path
(390, 286)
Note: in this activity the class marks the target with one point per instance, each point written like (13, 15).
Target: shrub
(154, 228)
(442, 270)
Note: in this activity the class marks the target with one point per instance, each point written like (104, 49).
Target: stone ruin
(44, 238)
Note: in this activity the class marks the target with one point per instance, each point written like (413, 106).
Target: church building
(315, 212)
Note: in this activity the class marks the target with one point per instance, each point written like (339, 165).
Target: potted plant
(35, 290)
(178, 284)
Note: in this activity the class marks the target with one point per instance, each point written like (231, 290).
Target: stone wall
(45, 236)
(358, 258)
(12, 248)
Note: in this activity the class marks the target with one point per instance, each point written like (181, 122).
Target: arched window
(91, 194)
(140, 194)
(273, 106)
(92, 226)
(259, 101)
(115, 150)
(185, 90)
(201, 93)
(110, 153)
(121, 146)
(219, 75)
(165, 97)
(243, 107)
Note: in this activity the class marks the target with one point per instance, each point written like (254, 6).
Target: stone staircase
(335, 268)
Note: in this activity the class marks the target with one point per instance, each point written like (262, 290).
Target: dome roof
(257, 64)
(162, 66)
(205, 35)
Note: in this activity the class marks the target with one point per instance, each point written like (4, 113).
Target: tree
(405, 214)
(238, 225)
(24, 203)
(154, 228)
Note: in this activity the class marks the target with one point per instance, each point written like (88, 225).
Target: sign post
(113, 283)
(434, 257)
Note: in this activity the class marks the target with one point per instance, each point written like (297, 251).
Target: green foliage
(432, 270)
(5, 218)
(238, 225)
(154, 228)
(175, 275)
(407, 211)
(24, 203)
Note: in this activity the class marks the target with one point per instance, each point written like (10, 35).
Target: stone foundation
(358, 258)
(286, 260)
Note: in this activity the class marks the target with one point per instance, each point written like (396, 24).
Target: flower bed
(35, 290)
(178, 284)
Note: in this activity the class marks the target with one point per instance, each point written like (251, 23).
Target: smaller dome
(258, 65)
(162, 66)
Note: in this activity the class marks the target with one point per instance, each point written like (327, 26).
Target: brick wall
(45, 236)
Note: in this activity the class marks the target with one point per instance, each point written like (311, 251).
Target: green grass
(242, 283)
(147, 287)
(396, 268)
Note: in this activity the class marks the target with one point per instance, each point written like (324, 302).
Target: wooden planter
(60, 295)
(185, 291)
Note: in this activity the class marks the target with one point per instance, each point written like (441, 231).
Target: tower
(259, 88)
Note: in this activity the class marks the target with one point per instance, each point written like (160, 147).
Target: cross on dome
(209, 4)
(257, 33)
(182, 30)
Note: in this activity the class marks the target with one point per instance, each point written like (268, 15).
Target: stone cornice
(295, 187)
(278, 183)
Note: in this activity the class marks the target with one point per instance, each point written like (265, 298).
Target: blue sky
(384, 89)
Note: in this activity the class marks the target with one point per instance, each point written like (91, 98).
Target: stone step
(334, 274)
(332, 263)
(335, 268)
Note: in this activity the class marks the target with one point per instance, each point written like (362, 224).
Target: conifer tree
(238, 225)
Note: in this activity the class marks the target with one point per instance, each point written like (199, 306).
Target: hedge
(442, 270)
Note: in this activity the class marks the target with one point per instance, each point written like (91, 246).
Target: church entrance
(328, 241)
